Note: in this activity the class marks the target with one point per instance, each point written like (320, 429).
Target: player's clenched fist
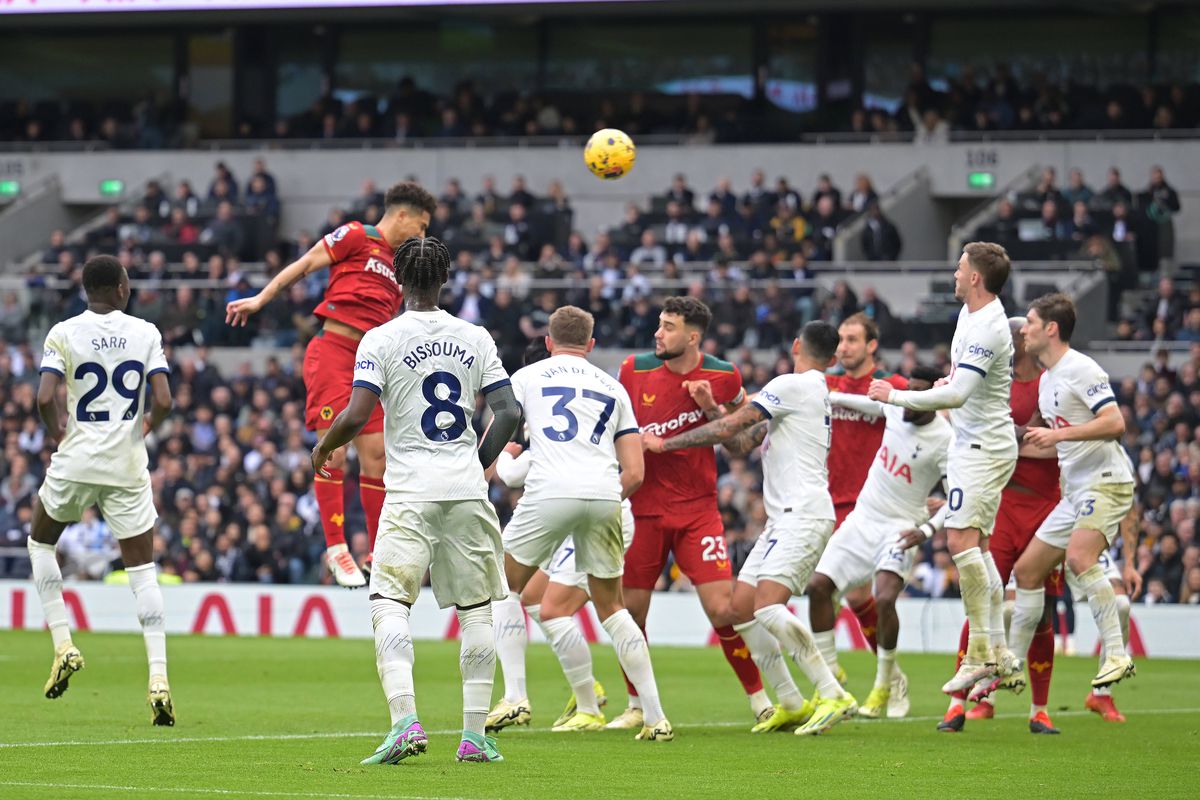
(652, 443)
(237, 312)
(701, 394)
(880, 390)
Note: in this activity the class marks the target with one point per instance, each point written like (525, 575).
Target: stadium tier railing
(572, 140)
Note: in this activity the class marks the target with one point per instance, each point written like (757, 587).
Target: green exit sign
(112, 187)
(981, 181)
(9, 189)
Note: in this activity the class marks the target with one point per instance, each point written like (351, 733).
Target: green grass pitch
(280, 718)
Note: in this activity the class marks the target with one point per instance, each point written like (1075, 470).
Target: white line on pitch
(235, 792)
(518, 731)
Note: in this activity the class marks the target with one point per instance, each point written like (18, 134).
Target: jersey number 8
(429, 420)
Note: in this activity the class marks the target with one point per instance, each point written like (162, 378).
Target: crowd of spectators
(929, 111)
(1131, 234)
(749, 254)
(975, 102)
(234, 490)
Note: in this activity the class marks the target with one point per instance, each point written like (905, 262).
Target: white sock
(827, 647)
(477, 662)
(148, 597)
(995, 603)
(1123, 614)
(512, 638)
(976, 597)
(576, 659)
(1008, 615)
(764, 650)
(47, 577)
(1102, 691)
(634, 701)
(1103, 602)
(796, 640)
(1027, 615)
(535, 612)
(394, 656)
(1033, 710)
(885, 667)
(634, 655)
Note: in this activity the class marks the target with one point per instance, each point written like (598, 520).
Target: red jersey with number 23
(855, 437)
(362, 291)
(663, 407)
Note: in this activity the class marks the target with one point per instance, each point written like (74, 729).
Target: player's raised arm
(715, 432)
(952, 394)
(857, 402)
(238, 312)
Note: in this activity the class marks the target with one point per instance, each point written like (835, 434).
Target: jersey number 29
(130, 393)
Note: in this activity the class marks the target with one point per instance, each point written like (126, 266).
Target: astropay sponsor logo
(670, 426)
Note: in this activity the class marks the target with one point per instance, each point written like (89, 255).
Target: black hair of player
(694, 312)
(422, 267)
(820, 340)
(411, 195)
(105, 283)
(535, 351)
(928, 374)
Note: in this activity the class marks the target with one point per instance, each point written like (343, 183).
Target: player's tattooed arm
(745, 442)
(506, 416)
(715, 432)
(345, 427)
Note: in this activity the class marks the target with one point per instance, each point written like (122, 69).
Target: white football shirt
(1072, 393)
(795, 475)
(106, 361)
(575, 412)
(427, 367)
(910, 463)
(983, 343)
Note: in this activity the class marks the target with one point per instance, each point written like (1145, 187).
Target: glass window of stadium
(791, 66)
(1098, 50)
(88, 70)
(888, 53)
(1178, 56)
(437, 57)
(678, 56)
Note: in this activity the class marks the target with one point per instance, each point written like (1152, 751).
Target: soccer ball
(609, 154)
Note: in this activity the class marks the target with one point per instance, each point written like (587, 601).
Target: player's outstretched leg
(477, 662)
(512, 640)
(634, 655)
(569, 645)
(143, 580)
(1009, 666)
(792, 710)
(1100, 699)
(394, 659)
(47, 577)
(834, 704)
(976, 596)
(330, 494)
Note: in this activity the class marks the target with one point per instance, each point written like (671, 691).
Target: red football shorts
(1021, 514)
(328, 375)
(696, 537)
